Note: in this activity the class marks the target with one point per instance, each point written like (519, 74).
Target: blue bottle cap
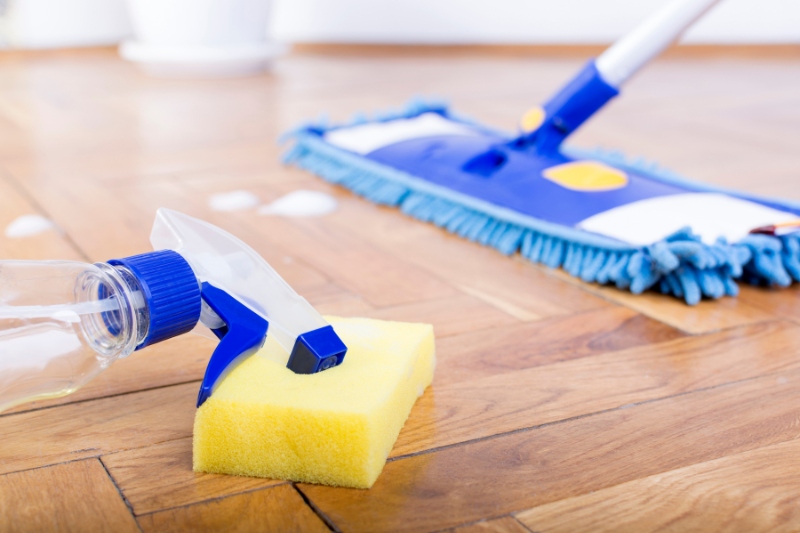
(169, 288)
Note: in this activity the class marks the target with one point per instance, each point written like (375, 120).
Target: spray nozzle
(202, 273)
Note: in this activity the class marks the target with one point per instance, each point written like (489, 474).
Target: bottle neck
(126, 328)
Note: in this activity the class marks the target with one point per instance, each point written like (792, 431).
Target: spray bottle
(64, 322)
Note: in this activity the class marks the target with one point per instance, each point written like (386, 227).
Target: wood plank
(506, 524)
(765, 497)
(179, 360)
(505, 349)
(705, 317)
(99, 219)
(160, 477)
(332, 299)
(16, 125)
(482, 407)
(132, 161)
(507, 473)
(449, 316)
(72, 497)
(96, 105)
(278, 509)
(50, 244)
(95, 427)
(475, 269)
(779, 302)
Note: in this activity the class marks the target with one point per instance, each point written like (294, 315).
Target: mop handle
(547, 126)
(649, 39)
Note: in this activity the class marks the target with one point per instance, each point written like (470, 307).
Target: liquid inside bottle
(61, 324)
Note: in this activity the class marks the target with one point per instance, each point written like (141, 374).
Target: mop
(599, 216)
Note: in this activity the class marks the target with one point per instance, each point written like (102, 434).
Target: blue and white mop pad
(600, 217)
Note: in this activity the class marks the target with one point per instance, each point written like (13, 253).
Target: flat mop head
(596, 215)
(599, 216)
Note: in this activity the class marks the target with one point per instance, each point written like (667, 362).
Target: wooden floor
(557, 406)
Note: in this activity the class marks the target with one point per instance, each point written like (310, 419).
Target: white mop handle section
(634, 50)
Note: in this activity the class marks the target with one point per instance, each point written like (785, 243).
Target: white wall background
(520, 21)
(54, 23)
(57, 23)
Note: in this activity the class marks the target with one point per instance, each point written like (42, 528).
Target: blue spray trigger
(242, 335)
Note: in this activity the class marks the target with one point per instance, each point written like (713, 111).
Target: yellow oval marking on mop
(588, 176)
(532, 119)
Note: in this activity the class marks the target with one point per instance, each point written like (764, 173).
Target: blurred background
(75, 23)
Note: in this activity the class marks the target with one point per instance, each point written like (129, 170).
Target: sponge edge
(336, 427)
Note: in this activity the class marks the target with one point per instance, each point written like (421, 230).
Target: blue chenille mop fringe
(680, 265)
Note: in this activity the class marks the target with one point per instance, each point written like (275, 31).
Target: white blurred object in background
(521, 21)
(201, 38)
(62, 23)
(230, 36)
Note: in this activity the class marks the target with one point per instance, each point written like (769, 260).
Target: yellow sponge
(336, 427)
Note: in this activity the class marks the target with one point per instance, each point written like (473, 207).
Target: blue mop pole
(599, 81)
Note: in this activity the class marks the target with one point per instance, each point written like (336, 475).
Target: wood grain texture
(546, 389)
(521, 470)
(705, 317)
(50, 244)
(276, 510)
(72, 497)
(88, 429)
(160, 476)
(506, 524)
(779, 302)
(505, 349)
(479, 408)
(450, 316)
(358, 266)
(332, 299)
(765, 498)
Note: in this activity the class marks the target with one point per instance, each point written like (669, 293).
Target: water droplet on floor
(233, 201)
(27, 226)
(301, 203)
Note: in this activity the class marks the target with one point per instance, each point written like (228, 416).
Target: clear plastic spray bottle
(64, 322)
